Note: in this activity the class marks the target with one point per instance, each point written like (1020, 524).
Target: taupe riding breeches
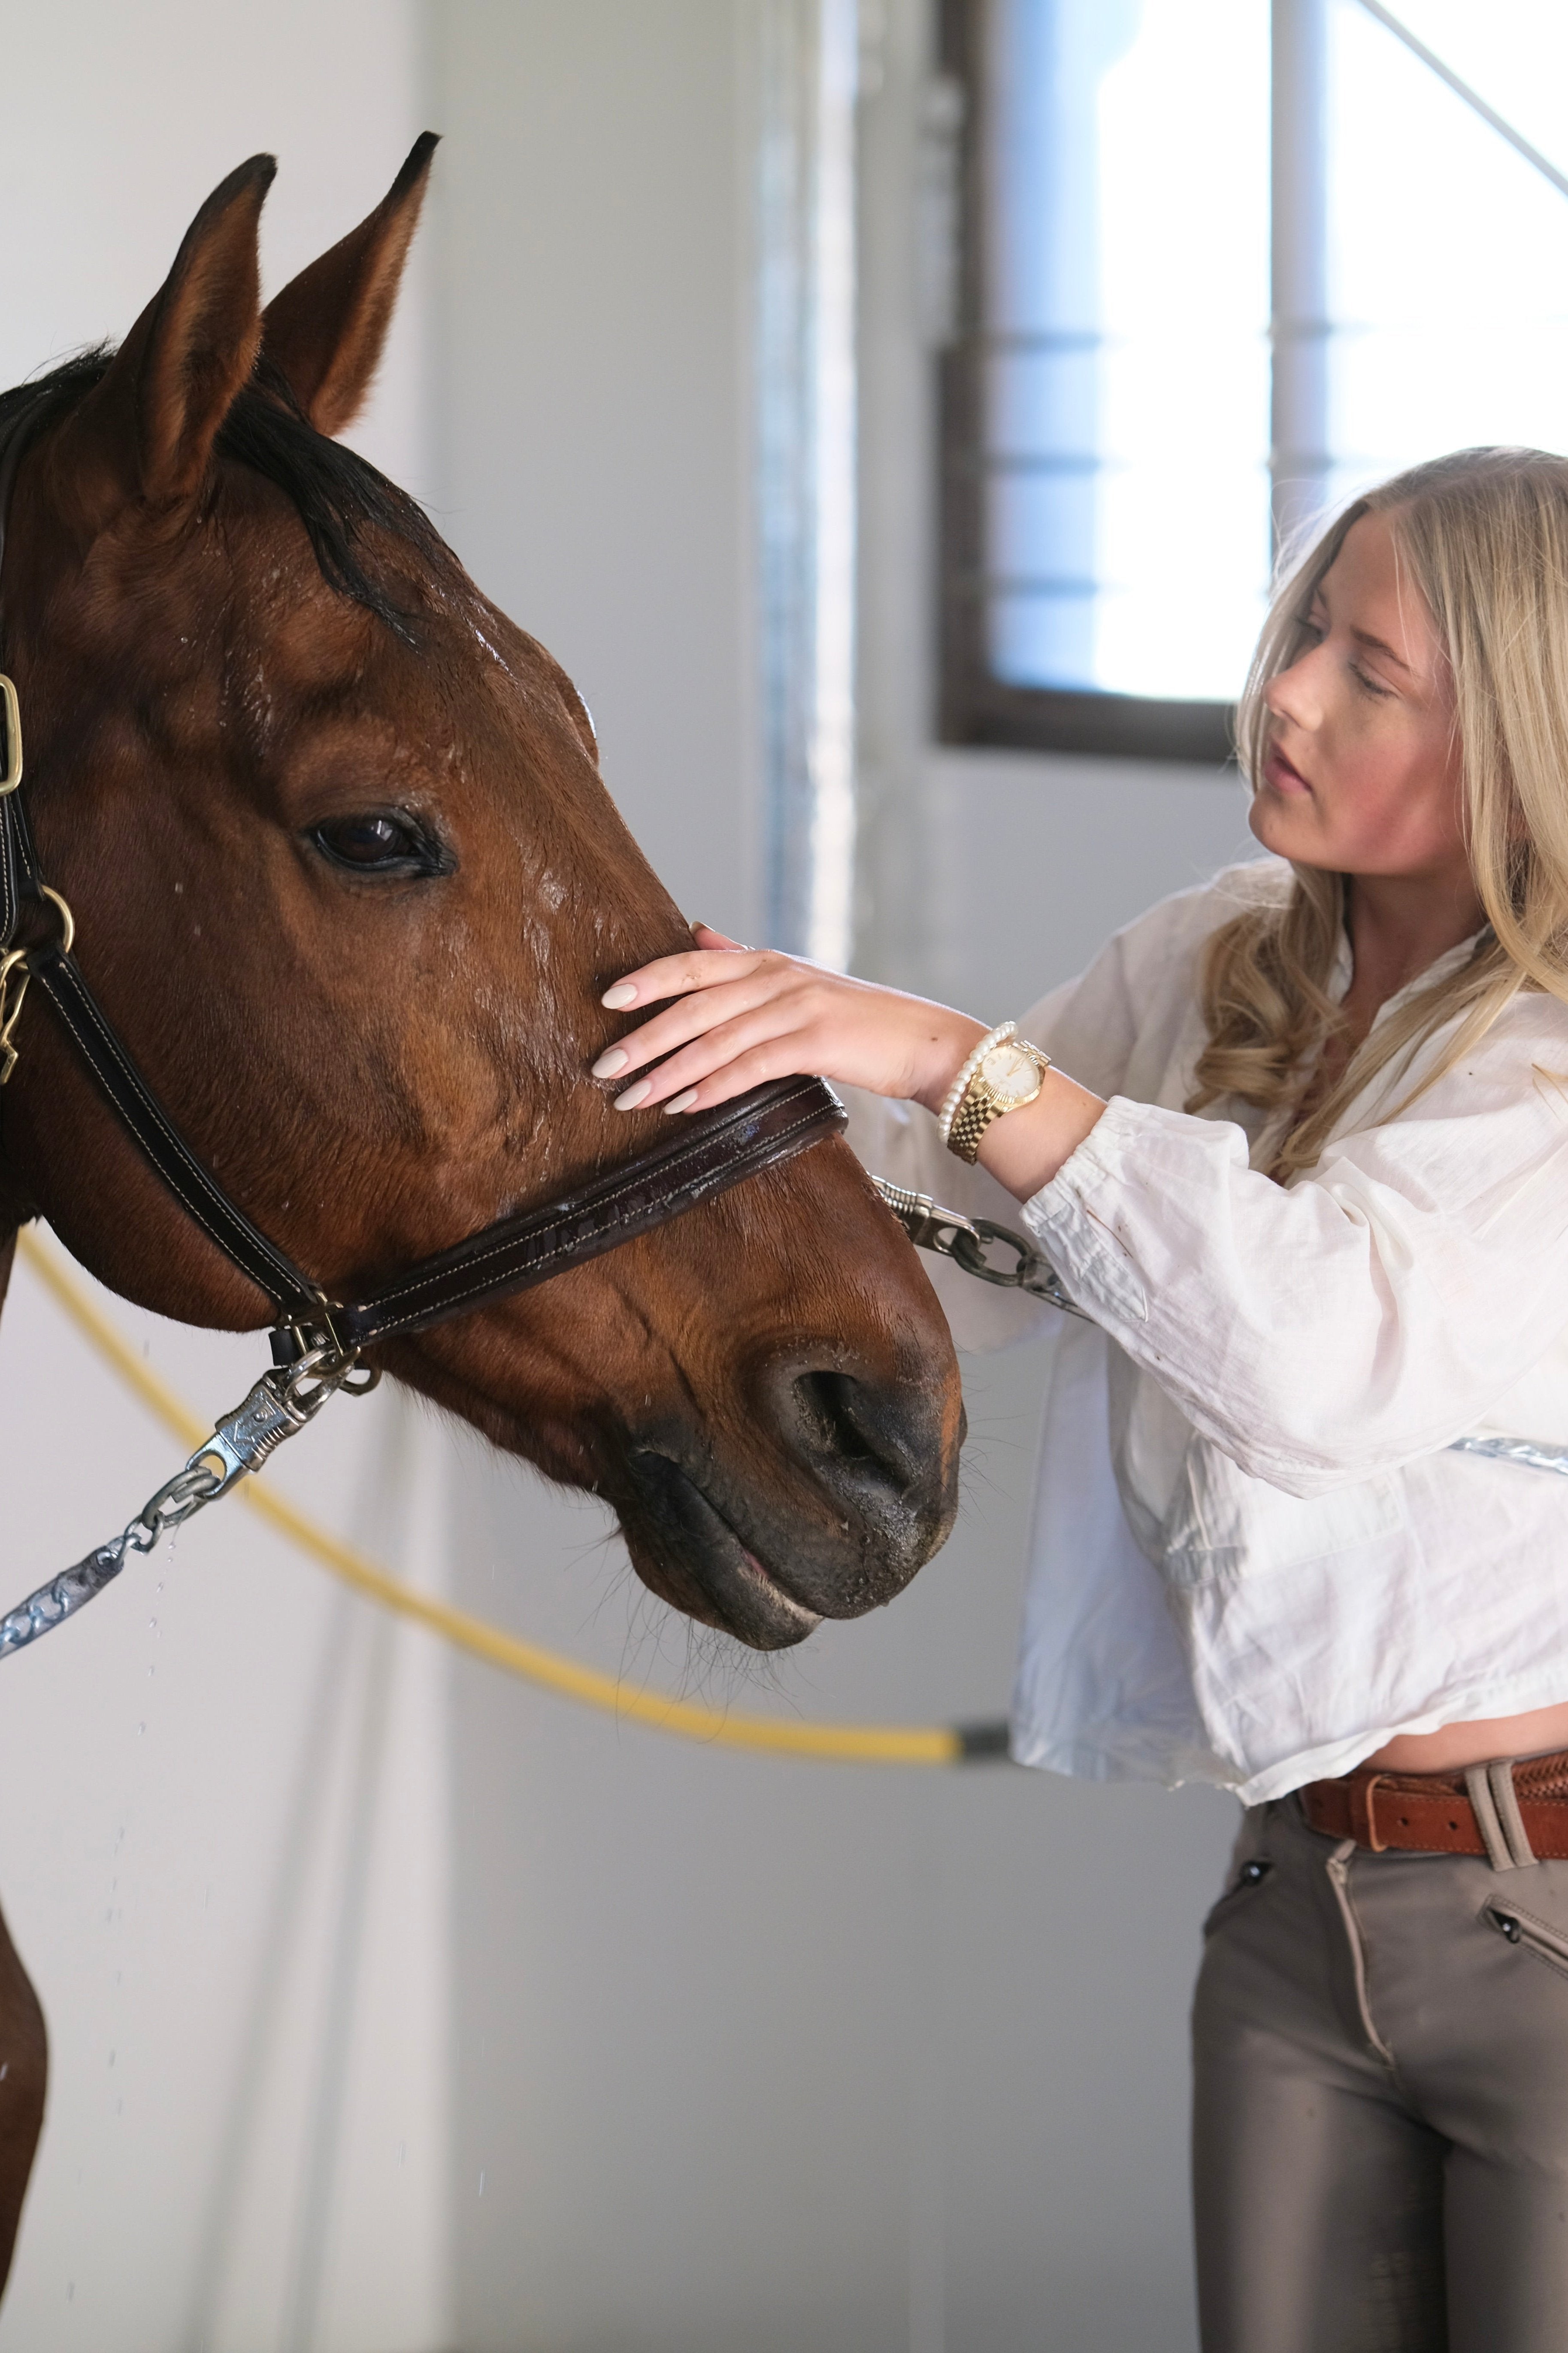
(1380, 2140)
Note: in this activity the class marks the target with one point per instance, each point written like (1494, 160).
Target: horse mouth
(695, 1547)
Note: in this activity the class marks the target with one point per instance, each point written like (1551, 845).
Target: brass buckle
(14, 978)
(16, 969)
(12, 709)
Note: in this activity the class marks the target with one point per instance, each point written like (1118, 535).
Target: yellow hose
(845, 1744)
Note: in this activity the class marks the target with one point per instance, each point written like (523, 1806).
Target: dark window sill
(982, 711)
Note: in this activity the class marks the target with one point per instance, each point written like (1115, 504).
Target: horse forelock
(341, 497)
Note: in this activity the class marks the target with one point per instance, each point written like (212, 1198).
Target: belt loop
(1364, 1817)
(1495, 1803)
(1505, 1797)
(1362, 1810)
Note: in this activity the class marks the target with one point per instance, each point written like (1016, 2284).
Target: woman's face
(1362, 772)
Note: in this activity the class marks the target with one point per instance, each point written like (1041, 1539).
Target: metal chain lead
(284, 1399)
(1531, 1452)
(965, 1240)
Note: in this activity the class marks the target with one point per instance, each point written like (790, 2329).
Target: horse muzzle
(856, 1491)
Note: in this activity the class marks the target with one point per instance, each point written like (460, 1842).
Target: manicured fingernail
(635, 1095)
(623, 994)
(615, 1059)
(682, 1101)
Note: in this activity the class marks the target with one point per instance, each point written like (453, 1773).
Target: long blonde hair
(1484, 536)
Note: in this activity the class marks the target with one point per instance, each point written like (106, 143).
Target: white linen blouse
(1252, 1559)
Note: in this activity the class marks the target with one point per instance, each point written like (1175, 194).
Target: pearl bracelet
(956, 1093)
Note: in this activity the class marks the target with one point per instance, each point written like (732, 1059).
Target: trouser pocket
(1250, 1867)
(1532, 1936)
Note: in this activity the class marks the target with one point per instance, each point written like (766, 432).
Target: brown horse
(348, 883)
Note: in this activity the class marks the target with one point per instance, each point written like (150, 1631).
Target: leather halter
(712, 1151)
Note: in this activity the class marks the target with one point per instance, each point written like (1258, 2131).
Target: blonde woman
(1298, 1144)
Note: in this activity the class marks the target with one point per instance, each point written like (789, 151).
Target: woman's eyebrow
(1381, 645)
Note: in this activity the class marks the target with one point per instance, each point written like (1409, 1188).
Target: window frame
(973, 706)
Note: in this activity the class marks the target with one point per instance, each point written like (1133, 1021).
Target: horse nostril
(827, 1402)
(857, 1426)
(878, 1451)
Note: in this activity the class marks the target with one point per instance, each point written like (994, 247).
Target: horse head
(348, 881)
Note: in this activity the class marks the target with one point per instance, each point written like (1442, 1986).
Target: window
(1220, 266)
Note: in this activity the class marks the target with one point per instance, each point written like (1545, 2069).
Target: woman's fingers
(793, 1045)
(673, 976)
(747, 1070)
(692, 1016)
(734, 1074)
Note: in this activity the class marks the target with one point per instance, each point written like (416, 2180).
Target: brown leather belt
(1431, 1813)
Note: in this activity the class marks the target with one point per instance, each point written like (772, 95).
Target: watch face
(1012, 1076)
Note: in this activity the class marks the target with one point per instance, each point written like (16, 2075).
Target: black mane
(338, 494)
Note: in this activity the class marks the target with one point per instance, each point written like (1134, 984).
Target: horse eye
(379, 842)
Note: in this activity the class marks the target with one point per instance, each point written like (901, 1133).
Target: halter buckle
(15, 974)
(15, 967)
(13, 716)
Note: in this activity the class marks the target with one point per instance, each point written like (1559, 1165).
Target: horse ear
(175, 377)
(327, 329)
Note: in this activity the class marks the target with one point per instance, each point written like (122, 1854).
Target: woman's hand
(738, 1017)
(743, 1016)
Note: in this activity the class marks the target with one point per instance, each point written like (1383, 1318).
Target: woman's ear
(327, 330)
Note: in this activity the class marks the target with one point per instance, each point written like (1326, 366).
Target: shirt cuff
(1086, 1218)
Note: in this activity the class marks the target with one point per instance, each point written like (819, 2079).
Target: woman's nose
(1293, 693)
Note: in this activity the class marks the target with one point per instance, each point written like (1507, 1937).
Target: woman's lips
(1278, 772)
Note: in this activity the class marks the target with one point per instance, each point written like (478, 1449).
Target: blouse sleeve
(1371, 1313)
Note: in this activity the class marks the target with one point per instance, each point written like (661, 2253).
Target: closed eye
(385, 843)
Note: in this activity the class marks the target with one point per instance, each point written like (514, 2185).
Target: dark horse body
(347, 882)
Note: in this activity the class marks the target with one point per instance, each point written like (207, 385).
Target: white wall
(591, 386)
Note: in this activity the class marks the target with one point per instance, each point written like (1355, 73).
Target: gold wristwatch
(1004, 1072)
